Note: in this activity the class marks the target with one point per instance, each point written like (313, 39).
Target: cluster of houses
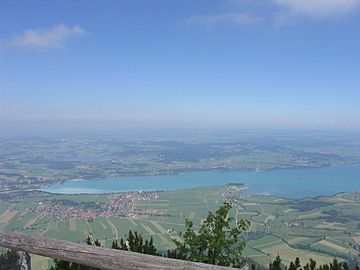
(121, 204)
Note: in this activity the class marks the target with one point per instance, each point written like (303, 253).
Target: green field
(319, 228)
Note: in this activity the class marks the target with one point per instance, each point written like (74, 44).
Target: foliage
(64, 265)
(254, 265)
(276, 264)
(135, 243)
(311, 265)
(346, 257)
(216, 242)
(9, 260)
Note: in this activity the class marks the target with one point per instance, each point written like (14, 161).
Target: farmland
(320, 228)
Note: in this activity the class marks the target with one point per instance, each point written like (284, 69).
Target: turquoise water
(289, 183)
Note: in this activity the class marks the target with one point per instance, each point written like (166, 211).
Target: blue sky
(235, 63)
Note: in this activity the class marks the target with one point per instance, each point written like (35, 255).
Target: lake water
(289, 183)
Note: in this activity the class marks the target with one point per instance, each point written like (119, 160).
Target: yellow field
(72, 224)
(33, 220)
(39, 262)
(248, 213)
(158, 226)
(7, 216)
(331, 225)
(356, 239)
(297, 240)
(268, 244)
(113, 228)
(341, 199)
(328, 244)
(288, 254)
(336, 247)
(311, 215)
(148, 229)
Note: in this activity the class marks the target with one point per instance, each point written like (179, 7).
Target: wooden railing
(99, 257)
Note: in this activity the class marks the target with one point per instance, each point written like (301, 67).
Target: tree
(64, 265)
(276, 264)
(311, 265)
(295, 265)
(216, 242)
(135, 243)
(9, 260)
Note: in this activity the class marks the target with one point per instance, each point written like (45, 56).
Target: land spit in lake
(32, 162)
(282, 222)
(286, 183)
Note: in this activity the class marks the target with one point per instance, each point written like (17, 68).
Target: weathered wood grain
(99, 257)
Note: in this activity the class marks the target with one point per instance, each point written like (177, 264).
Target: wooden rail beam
(99, 257)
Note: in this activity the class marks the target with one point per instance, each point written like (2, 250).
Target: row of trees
(134, 243)
(311, 265)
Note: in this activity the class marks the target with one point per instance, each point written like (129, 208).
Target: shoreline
(285, 183)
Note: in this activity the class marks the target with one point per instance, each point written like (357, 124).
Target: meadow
(319, 228)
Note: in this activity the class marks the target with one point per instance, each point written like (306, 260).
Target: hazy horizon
(105, 127)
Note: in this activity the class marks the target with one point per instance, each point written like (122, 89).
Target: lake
(288, 183)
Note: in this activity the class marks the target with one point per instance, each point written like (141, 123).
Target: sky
(183, 64)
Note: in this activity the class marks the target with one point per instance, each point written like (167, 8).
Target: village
(121, 205)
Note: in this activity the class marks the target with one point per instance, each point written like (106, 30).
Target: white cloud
(44, 38)
(318, 8)
(210, 20)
